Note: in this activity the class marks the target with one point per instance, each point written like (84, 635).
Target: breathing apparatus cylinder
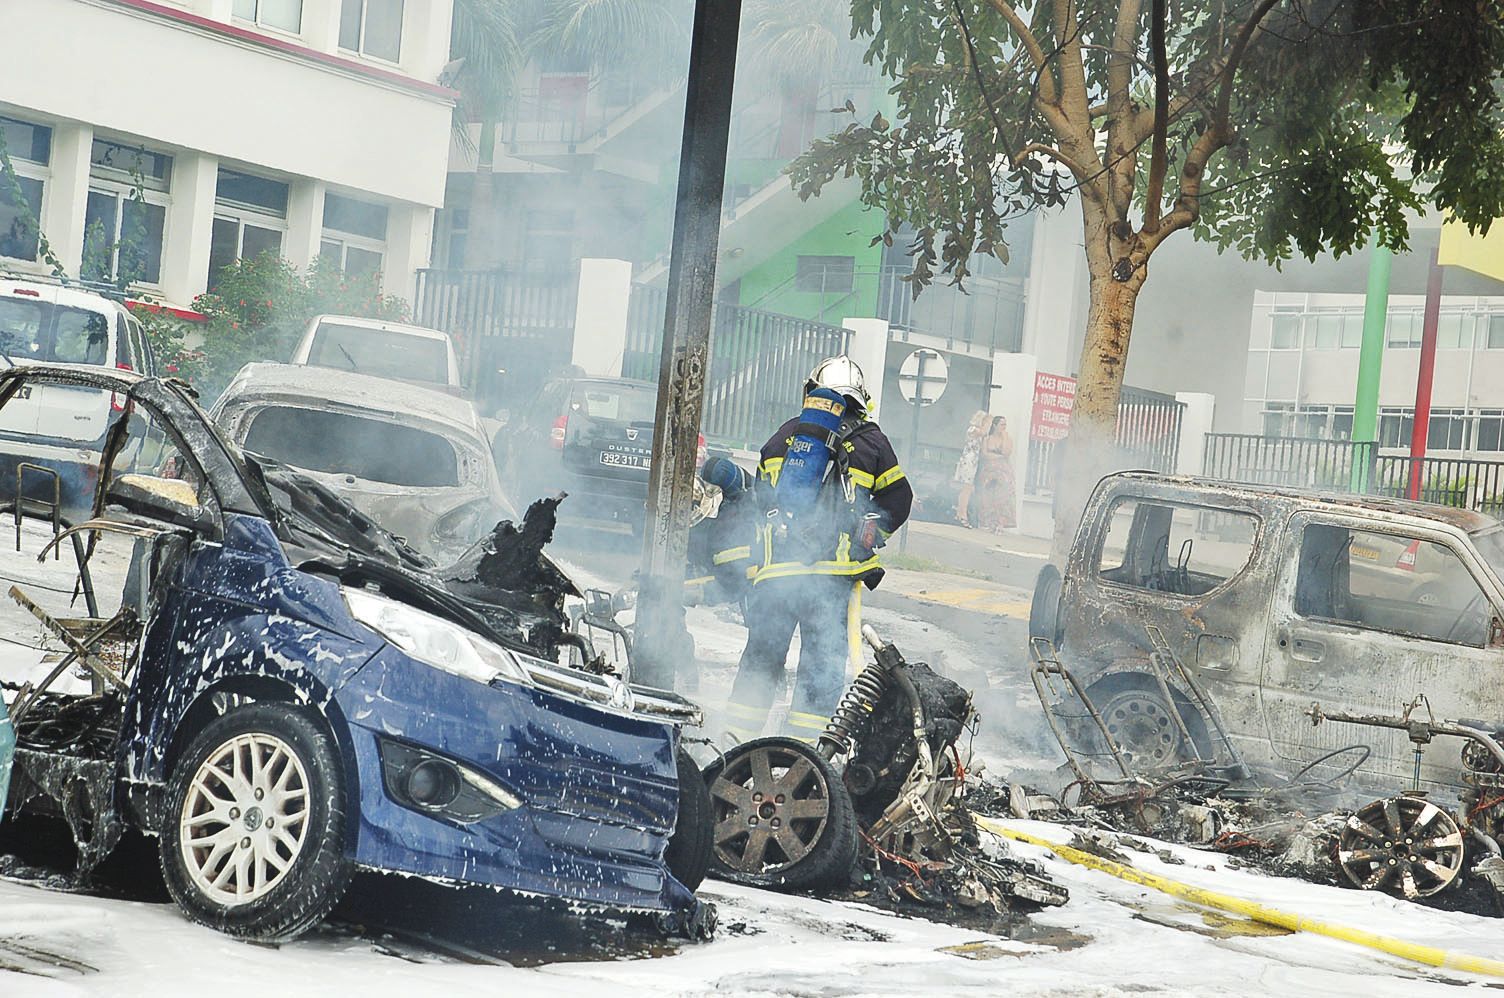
(806, 465)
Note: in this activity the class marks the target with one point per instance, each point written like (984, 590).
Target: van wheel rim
(245, 819)
(1140, 725)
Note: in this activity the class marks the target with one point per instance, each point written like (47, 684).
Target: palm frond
(603, 33)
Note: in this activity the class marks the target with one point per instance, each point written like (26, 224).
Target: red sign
(1054, 398)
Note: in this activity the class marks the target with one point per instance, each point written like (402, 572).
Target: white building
(300, 126)
(1303, 366)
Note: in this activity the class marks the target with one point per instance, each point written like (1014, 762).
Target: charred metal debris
(1411, 844)
(877, 809)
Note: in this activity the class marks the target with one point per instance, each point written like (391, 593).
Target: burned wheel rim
(244, 819)
(1140, 724)
(1402, 845)
(771, 807)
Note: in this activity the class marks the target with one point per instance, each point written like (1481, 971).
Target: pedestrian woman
(996, 492)
(966, 466)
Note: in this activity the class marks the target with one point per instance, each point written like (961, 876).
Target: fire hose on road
(1419, 953)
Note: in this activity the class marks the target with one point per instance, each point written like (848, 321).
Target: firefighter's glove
(869, 535)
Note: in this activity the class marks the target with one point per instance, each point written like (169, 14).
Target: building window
(372, 27)
(1495, 332)
(1395, 426)
(1284, 331)
(1342, 422)
(30, 150)
(250, 216)
(1490, 430)
(354, 234)
(1447, 430)
(1326, 330)
(126, 214)
(1454, 331)
(825, 274)
(1403, 330)
(1278, 418)
(458, 225)
(284, 14)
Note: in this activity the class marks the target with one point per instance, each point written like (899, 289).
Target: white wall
(134, 73)
(292, 107)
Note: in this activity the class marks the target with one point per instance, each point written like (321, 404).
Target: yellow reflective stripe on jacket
(862, 478)
(770, 467)
(788, 569)
(893, 474)
(732, 554)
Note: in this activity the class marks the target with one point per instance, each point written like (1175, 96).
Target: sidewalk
(1011, 559)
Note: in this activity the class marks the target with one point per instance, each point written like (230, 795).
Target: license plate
(624, 460)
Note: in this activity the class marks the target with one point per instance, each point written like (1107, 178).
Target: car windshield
(618, 402)
(44, 332)
(380, 352)
(336, 443)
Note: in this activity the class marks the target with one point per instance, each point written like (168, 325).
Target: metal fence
(511, 328)
(1147, 437)
(1347, 466)
(758, 362)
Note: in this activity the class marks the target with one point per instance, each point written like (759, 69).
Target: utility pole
(661, 637)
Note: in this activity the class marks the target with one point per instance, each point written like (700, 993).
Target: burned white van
(1284, 607)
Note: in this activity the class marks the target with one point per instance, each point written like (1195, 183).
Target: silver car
(416, 461)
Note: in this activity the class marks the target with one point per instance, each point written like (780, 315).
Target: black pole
(661, 637)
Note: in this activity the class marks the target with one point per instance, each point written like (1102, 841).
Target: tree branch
(1235, 57)
(1158, 153)
(1053, 153)
(1031, 45)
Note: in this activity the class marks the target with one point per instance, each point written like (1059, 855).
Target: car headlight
(434, 640)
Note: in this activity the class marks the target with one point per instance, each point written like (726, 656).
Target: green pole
(1370, 359)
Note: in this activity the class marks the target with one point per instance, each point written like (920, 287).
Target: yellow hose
(1429, 955)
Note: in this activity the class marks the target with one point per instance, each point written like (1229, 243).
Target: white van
(59, 427)
(380, 349)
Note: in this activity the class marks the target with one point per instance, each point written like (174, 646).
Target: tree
(483, 38)
(1272, 126)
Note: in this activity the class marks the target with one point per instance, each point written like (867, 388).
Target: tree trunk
(480, 243)
(1091, 448)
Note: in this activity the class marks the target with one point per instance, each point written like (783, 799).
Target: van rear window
(335, 443)
(42, 331)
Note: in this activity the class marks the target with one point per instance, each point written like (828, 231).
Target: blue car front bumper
(596, 789)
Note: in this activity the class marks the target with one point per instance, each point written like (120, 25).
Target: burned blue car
(232, 659)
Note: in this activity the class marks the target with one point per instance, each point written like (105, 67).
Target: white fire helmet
(841, 374)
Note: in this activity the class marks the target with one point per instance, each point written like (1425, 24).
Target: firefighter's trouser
(826, 611)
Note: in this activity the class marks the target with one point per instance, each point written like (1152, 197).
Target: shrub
(261, 306)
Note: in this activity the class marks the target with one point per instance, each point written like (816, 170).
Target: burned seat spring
(852, 714)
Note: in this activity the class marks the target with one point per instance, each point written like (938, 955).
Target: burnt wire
(56, 722)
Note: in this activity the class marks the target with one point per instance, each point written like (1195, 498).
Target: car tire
(253, 840)
(826, 843)
(689, 848)
(1044, 610)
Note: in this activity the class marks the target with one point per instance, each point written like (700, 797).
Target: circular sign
(922, 377)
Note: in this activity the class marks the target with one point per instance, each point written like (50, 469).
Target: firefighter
(813, 552)
(730, 532)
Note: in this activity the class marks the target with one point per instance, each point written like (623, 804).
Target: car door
(1367, 616)
(1194, 573)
